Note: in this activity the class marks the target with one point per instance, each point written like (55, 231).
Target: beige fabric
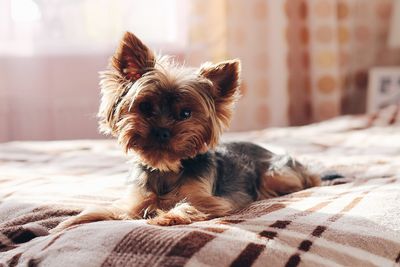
(303, 60)
(350, 224)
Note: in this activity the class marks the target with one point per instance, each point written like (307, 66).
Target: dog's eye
(146, 108)
(185, 114)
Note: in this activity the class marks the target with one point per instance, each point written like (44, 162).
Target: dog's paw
(183, 213)
(168, 219)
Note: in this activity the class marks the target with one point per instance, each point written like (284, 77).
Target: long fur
(170, 119)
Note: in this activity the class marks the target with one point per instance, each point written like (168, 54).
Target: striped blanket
(353, 222)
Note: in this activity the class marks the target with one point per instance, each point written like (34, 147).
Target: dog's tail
(333, 178)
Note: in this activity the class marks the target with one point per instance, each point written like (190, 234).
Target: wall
(49, 97)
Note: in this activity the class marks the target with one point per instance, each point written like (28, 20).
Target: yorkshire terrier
(171, 118)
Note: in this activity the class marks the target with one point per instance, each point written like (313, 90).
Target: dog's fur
(171, 118)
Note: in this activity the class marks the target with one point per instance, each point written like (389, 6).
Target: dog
(171, 117)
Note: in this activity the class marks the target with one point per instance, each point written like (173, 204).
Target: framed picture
(383, 88)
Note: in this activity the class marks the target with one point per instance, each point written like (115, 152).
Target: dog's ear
(225, 77)
(132, 58)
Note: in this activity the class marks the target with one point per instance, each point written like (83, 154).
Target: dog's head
(163, 111)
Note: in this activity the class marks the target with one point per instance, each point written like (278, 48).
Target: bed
(351, 221)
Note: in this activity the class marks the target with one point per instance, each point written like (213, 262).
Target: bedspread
(354, 221)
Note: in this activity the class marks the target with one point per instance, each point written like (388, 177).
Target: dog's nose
(162, 134)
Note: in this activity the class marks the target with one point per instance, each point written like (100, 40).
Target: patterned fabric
(303, 60)
(346, 224)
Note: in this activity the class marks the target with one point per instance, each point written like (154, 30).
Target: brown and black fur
(170, 118)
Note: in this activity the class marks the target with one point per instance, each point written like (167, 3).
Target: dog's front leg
(134, 206)
(193, 208)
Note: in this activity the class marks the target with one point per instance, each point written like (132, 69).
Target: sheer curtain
(45, 26)
(52, 50)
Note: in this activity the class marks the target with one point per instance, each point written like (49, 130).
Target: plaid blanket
(356, 223)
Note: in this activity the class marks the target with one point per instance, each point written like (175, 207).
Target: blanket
(353, 221)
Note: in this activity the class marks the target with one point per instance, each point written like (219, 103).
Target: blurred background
(303, 61)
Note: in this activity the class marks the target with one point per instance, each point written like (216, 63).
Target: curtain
(303, 61)
(52, 50)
